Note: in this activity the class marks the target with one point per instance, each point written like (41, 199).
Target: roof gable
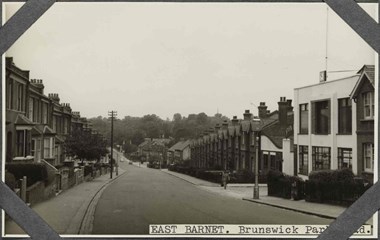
(276, 133)
(367, 74)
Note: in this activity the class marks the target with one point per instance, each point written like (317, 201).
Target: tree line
(130, 131)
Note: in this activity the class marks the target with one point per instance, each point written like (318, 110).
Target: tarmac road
(144, 196)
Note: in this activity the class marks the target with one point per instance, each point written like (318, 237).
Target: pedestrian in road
(225, 178)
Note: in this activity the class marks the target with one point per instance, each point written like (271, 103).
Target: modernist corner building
(334, 125)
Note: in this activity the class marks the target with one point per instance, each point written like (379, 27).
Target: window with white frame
(369, 105)
(321, 158)
(31, 106)
(345, 158)
(36, 148)
(49, 147)
(369, 156)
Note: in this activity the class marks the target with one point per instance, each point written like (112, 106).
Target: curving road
(143, 196)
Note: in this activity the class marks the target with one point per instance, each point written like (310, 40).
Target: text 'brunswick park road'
(144, 196)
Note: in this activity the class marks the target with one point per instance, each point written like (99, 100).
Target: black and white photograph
(196, 119)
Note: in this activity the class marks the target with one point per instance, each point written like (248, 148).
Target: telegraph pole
(112, 114)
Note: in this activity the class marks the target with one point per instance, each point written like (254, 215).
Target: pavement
(71, 212)
(245, 192)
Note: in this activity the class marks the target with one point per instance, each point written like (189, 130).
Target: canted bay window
(36, 149)
(303, 160)
(344, 116)
(369, 105)
(304, 118)
(369, 156)
(22, 144)
(321, 157)
(321, 117)
(49, 147)
(345, 158)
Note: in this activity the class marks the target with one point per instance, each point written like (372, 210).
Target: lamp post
(256, 188)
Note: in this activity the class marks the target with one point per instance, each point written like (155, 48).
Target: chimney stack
(290, 108)
(54, 97)
(235, 121)
(225, 125)
(262, 110)
(38, 83)
(247, 115)
(283, 111)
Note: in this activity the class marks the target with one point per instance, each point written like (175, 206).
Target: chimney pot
(262, 109)
(247, 115)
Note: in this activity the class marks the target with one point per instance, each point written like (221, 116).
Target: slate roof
(231, 130)
(370, 71)
(180, 146)
(45, 129)
(22, 120)
(276, 133)
(245, 125)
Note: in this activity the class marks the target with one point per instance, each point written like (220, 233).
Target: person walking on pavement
(225, 178)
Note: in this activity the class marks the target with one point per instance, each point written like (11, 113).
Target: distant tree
(177, 117)
(137, 137)
(85, 146)
(202, 118)
(129, 148)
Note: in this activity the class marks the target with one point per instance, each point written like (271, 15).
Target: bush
(284, 186)
(242, 176)
(33, 171)
(334, 186)
(211, 176)
(88, 170)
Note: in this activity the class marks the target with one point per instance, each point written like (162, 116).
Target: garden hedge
(33, 171)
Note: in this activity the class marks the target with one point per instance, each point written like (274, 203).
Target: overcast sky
(166, 58)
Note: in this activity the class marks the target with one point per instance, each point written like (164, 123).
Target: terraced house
(36, 125)
(236, 145)
(334, 124)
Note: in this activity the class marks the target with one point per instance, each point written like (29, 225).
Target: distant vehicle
(130, 162)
